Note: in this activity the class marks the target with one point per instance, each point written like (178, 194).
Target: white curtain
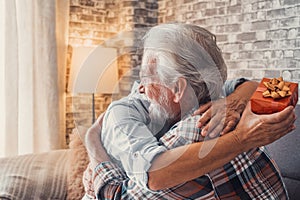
(32, 66)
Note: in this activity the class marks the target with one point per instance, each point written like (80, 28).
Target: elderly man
(182, 68)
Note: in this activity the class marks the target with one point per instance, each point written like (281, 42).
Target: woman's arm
(191, 161)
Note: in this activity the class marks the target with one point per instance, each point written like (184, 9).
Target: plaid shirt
(250, 175)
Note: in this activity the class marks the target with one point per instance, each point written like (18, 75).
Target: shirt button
(136, 154)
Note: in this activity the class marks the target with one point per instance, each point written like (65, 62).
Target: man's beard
(159, 116)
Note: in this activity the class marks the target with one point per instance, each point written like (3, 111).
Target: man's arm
(101, 173)
(91, 140)
(191, 161)
(126, 138)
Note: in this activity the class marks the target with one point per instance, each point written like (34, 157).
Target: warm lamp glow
(94, 70)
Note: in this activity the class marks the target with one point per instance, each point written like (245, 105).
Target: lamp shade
(94, 70)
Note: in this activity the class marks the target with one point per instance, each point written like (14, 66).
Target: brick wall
(112, 23)
(258, 38)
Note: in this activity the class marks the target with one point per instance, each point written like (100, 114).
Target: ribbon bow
(277, 88)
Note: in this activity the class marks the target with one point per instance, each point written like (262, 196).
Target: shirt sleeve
(231, 85)
(128, 140)
(107, 173)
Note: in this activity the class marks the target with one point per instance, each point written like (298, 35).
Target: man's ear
(179, 89)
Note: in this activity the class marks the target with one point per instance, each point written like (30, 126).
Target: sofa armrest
(34, 176)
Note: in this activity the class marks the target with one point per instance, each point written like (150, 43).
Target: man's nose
(142, 89)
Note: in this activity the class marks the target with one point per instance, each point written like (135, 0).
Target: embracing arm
(184, 163)
(188, 162)
(221, 116)
(241, 95)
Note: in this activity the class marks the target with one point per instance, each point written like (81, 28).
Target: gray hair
(188, 51)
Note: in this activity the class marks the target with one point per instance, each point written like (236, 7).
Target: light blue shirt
(127, 133)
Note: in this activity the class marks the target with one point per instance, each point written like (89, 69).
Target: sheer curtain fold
(34, 66)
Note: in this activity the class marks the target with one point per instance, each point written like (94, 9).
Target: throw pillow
(34, 176)
(77, 164)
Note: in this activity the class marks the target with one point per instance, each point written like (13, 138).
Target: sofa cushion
(77, 164)
(285, 152)
(34, 176)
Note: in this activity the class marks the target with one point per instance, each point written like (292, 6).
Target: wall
(258, 38)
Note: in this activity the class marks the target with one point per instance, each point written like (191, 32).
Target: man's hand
(95, 149)
(258, 130)
(221, 116)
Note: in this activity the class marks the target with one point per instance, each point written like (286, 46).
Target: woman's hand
(221, 116)
(258, 130)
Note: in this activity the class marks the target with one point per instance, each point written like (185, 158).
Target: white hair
(188, 51)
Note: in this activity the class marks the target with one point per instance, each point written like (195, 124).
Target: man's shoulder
(131, 101)
(129, 109)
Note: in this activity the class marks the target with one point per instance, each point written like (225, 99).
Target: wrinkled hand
(220, 116)
(258, 130)
(95, 149)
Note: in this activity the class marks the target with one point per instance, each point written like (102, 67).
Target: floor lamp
(93, 71)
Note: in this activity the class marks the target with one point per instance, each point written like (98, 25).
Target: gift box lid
(267, 105)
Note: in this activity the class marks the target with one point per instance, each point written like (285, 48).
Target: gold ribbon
(277, 88)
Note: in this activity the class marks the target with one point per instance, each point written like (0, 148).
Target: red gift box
(268, 105)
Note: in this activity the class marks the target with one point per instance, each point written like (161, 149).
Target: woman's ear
(179, 89)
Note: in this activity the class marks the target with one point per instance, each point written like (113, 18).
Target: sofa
(285, 152)
(52, 175)
(58, 174)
